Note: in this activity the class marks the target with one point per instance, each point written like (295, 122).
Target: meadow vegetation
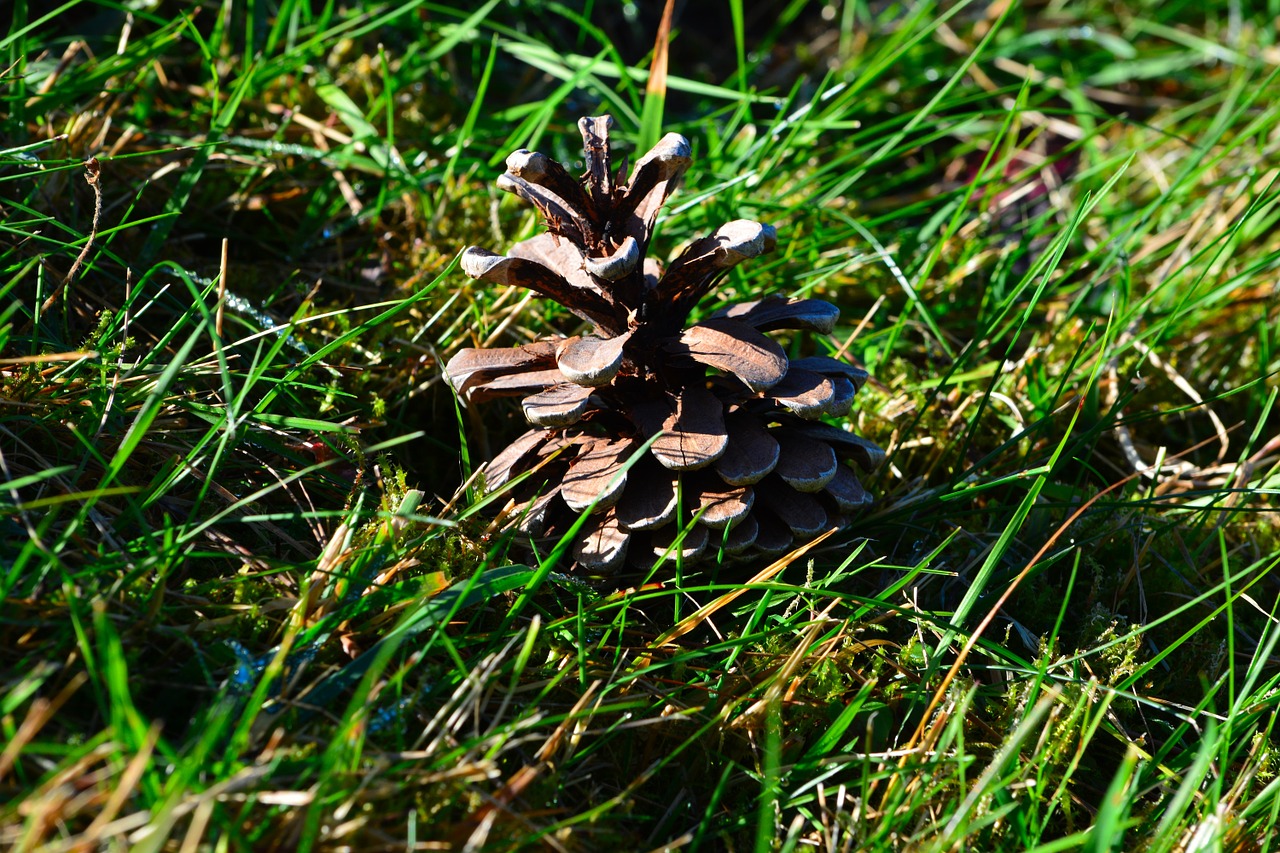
(250, 596)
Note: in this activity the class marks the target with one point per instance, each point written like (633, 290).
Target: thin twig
(92, 174)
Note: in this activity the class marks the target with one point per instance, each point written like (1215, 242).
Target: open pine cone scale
(738, 460)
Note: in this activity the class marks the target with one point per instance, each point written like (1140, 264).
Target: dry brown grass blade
(196, 829)
(222, 290)
(51, 357)
(124, 787)
(336, 551)
(657, 85)
(693, 620)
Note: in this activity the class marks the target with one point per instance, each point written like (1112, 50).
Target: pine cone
(739, 441)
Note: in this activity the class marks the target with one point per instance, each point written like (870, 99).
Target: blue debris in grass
(249, 670)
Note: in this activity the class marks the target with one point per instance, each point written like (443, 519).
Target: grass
(247, 603)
